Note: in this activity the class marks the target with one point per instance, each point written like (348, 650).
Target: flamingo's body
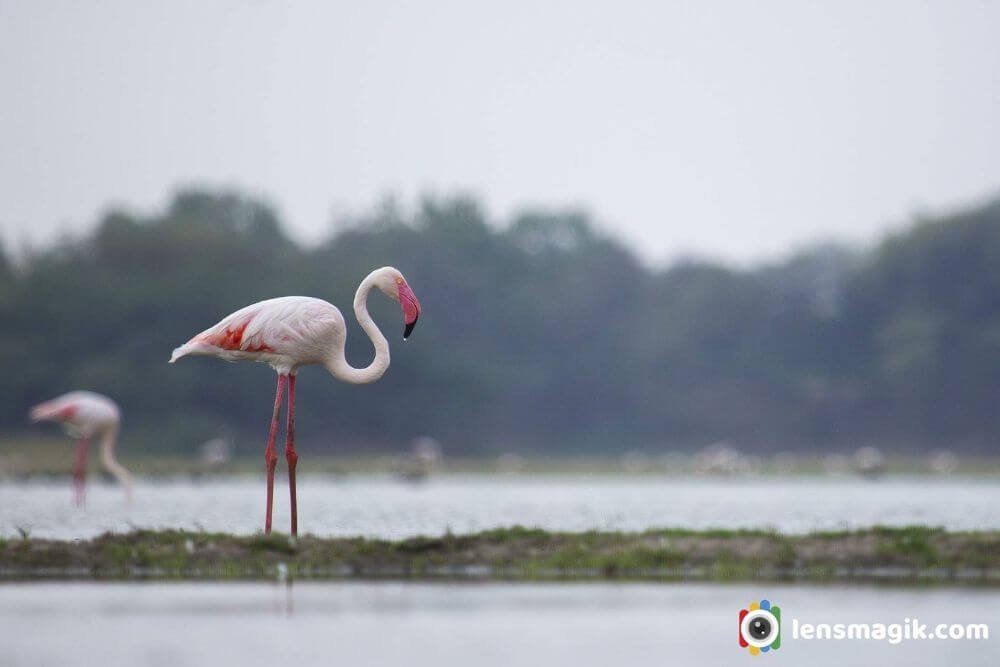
(286, 332)
(294, 331)
(85, 415)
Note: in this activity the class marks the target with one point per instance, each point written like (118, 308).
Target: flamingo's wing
(243, 331)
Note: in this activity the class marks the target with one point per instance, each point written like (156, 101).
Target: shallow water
(447, 624)
(385, 507)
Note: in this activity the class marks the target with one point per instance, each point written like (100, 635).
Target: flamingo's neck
(338, 365)
(108, 440)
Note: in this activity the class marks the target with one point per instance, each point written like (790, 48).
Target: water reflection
(444, 624)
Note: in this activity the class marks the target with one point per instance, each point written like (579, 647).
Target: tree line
(539, 334)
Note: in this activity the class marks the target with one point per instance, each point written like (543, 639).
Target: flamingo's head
(395, 286)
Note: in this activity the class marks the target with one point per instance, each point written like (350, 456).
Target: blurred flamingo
(84, 415)
(294, 331)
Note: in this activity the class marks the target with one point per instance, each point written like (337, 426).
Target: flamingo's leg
(80, 472)
(290, 455)
(270, 456)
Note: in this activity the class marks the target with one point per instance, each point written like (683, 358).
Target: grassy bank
(908, 555)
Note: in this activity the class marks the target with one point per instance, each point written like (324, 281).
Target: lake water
(384, 507)
(482, 624)
(177, 625)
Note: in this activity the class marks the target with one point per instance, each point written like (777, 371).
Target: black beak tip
(409, 329)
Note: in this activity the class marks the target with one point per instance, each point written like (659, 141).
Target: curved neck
(108, 440)
(338, 365)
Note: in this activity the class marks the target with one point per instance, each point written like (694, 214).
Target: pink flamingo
(293, 331)
(85, 415)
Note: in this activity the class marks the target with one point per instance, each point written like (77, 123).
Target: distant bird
(424, 458)
(293, 331)
(84, 415)
(870, 462)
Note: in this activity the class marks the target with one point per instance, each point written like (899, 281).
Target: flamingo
(293, 331)
(84, 415)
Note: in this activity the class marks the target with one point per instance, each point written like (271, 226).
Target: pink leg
(290, 455)
(80, 472)
(270, 456)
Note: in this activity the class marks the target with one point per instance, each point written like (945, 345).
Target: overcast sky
(736, 130)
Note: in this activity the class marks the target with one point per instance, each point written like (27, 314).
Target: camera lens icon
(760, 627)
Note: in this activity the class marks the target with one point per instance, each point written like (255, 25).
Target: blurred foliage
(542, 334)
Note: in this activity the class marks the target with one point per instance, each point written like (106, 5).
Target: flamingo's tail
(49, 410)
(189, 348)
(41, 411)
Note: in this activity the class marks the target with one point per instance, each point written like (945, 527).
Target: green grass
(913, 543)
(276, 543)
(909, 554)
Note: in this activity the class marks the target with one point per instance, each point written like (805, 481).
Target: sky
(736, 131)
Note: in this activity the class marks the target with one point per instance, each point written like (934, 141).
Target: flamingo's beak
(411, 308)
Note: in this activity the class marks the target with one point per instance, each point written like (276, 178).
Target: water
(383, 507)
(362, 623)
(483, 625)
